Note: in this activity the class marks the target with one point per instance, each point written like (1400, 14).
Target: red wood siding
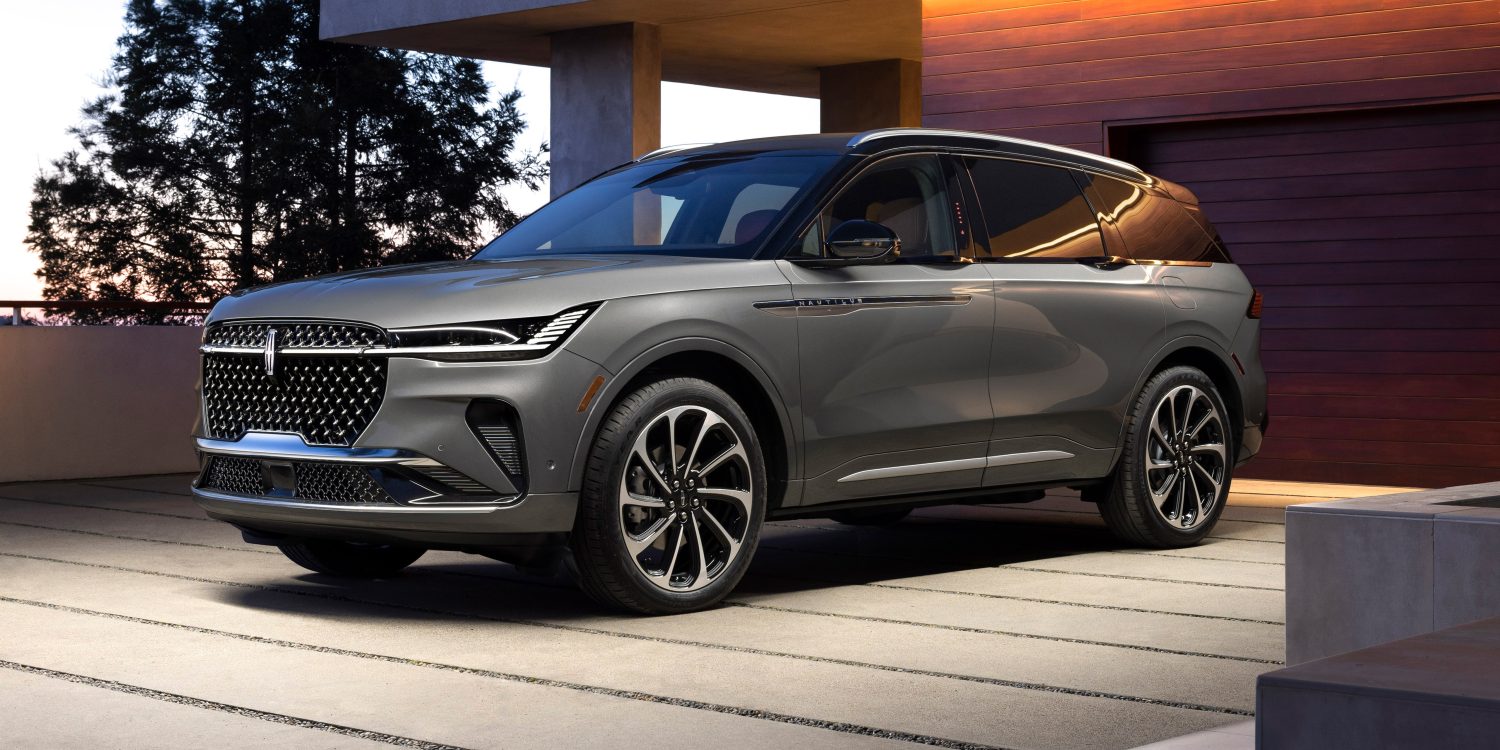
(1056, 71)
(1324, 142)
(1382, 367)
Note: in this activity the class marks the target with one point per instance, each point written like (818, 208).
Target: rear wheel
(672, 502)
(351, 559)
(1174, 474)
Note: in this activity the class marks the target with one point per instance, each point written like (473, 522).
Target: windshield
(718, 206)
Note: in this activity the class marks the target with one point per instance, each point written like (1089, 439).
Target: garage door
(1375, 236)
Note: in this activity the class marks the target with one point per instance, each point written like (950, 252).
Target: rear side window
(1032, 211)
(1154, 227)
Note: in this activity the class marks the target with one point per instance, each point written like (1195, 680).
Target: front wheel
(1174, 473)
(351, 559)
(673, 497)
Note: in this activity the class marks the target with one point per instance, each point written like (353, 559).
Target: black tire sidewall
(599, 540)
(1159, 531)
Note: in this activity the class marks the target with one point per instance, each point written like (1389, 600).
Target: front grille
(334, 484)
(236, 476)
(295, 335)
(326, 400)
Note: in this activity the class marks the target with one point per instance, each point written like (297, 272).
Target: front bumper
(411, 509)
(421, 427)
(434, 526)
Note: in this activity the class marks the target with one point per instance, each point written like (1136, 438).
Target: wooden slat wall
(1375, 231)
(1055, 71)
(1382, 326)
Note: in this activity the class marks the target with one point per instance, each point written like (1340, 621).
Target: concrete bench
(1438, 690)
(1366, 571)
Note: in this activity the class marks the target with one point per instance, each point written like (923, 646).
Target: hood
(472, 290)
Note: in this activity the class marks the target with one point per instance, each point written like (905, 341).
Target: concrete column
(606, 99)
(868, 95)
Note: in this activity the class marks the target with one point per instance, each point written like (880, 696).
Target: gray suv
(637, 376)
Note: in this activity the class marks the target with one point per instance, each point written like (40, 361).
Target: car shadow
(794, 556)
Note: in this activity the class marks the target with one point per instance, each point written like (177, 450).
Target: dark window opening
(1032, 211)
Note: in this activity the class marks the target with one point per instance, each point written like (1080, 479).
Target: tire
(870, 516)
(351, 559)
(1176, 501)
(652, 535)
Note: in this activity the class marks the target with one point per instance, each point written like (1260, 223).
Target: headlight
(522, 338)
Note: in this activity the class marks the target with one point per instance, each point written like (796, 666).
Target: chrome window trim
(959, 464)
(1072, 153)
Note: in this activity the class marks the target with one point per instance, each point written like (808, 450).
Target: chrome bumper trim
(428, 508)
(289, 447)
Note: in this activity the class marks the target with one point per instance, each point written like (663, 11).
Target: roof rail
(1073, 153)
(664, 150)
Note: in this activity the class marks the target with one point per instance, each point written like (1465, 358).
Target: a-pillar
(869, 95)
(606, 99)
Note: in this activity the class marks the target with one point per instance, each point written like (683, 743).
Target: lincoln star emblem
(271, 354)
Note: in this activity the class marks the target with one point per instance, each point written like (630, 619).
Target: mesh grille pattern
(296, 335)
(237, 476)
(326, 400)
(339, 484)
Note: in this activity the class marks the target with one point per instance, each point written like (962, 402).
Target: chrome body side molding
(962, 464)
(850, 305)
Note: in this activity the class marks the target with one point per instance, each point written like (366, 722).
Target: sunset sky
(57, 53)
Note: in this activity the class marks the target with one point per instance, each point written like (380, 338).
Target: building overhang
(772, 46)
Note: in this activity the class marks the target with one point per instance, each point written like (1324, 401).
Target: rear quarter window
(1153, 226)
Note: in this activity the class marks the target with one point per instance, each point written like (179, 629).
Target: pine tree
(235, 148)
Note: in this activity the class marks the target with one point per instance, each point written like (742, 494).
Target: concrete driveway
(131, 620)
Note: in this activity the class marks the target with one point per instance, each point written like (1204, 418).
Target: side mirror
(857, 241)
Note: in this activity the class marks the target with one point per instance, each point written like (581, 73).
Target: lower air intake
(499, 429)
(323, 483)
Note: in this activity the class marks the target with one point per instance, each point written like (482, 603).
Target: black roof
(878, 141)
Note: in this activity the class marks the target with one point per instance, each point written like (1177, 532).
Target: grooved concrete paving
(131, 620)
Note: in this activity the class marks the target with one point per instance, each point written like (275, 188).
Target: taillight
(1256, 300)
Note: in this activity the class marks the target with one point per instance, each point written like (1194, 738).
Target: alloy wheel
(1186, 458)
(685, 497)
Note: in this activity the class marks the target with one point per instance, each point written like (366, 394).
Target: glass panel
(906, 194)
(720, 206)
(1034, 211)
(1153, 227)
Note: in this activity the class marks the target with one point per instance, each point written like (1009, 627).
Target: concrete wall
(86, 401)
(1370, 570)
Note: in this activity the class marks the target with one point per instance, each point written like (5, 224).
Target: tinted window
(709, 206)
(907, 194)
(1033, 211)
(1154, 227)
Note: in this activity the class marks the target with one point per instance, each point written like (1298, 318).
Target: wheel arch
(726, 367)
(1203, 355)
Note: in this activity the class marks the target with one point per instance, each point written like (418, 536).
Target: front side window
(908, 194)
(719, 205)
(1033, 211)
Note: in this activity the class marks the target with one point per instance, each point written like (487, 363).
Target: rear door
(1073, 331)
(895, 357)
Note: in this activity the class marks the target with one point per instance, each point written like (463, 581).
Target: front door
(895, 357)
